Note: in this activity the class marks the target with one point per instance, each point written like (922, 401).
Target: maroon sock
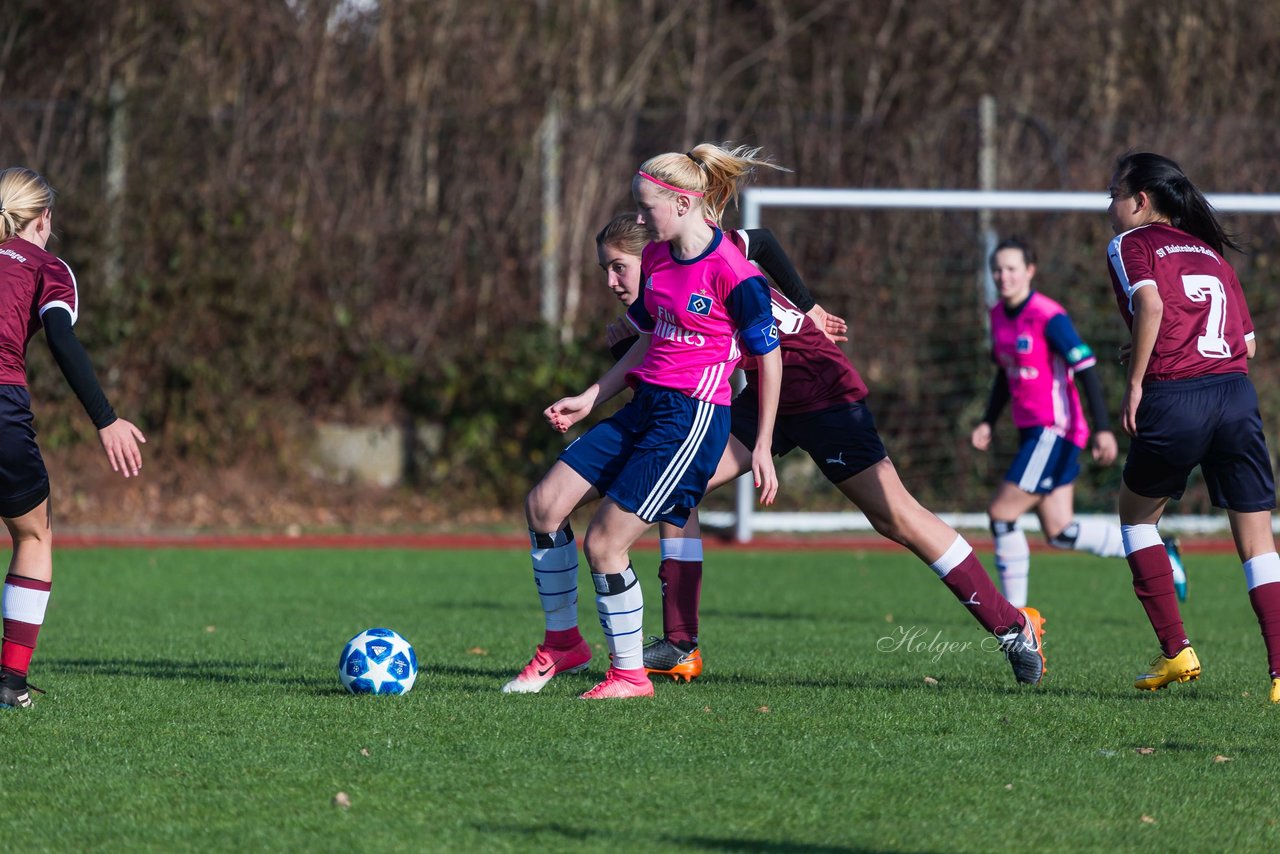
(1266, 604)
(681, 589)
(970, 583)
(15, 657)
(562, 639)
(25, 601)
(1153, 584)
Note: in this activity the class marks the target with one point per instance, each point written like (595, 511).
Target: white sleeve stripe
(1248, 336)
(58, 304)
(75, 289)
(1134, 289)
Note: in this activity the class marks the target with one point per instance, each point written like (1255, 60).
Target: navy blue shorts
(842, 440)
(24, 483)
(1044, 461)
(1212, 422)
(655, 455)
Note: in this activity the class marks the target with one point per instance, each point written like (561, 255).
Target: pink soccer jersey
(1039, 351)
(700, 314)
(31, 282)
(1206, 321)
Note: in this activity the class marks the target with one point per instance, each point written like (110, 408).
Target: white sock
(555, 572)
(621, 609)
(1013, 561)
(25, 604)
(1139, 537)
(1263, 569)
(1097, 537)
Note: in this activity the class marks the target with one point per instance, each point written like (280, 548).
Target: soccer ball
(378, 661)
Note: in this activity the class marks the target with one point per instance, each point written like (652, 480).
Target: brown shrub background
(281, 212)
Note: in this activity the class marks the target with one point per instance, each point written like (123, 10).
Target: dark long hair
(1172, 194)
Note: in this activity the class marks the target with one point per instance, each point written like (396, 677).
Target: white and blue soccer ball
(378, 661)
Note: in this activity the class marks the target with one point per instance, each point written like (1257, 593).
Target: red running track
(864, 542)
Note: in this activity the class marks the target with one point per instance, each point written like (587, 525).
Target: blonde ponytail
(710, 172)
(24, 196)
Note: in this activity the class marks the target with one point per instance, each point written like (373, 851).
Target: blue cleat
(1179, 571)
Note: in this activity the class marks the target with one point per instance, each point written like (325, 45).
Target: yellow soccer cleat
(1275, 690)
(1183, 667)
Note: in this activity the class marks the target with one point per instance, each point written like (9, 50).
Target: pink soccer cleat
(619, 686)
(546, 663)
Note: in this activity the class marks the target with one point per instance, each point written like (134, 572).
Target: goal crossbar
(744, 519)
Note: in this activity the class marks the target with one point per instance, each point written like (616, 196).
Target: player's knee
(601, 551)
(891, 525)
(541, 512)
(1066, 538)
(1000, 527)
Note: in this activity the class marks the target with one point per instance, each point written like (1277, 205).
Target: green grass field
(193, 704)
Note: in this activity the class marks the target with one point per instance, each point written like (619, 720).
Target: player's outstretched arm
(832, 326)
(120, 439)
(567, 411)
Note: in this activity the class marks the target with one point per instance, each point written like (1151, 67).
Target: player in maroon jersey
(821, 410)
(1188, 400)
(37, 289)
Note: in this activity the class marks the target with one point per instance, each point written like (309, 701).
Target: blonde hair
(716, 172)
(24, 196)
(623, 232)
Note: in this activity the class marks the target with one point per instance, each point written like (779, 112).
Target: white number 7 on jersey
(1199, 288)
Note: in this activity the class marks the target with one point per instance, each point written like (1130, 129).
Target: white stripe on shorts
(1039, 459)
(667, 481)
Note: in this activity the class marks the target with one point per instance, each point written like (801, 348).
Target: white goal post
(745, 519)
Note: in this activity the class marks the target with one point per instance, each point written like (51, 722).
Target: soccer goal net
(907, 269)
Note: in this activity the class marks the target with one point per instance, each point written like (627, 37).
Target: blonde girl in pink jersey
(37, 289)
(702, 306)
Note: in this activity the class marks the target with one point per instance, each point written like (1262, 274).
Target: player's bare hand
(1126, 350)
(617, 331)
(764, 474)
(567, 411)
(1129, 409)
(981, 436)
(120, 439)
(832, 326)
(1105, 449)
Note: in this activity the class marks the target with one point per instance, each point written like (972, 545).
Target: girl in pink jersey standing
(703, 304)
(822, 411)
(1041, 364)
(1188, 400)
(37, 289)
(619, 247)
